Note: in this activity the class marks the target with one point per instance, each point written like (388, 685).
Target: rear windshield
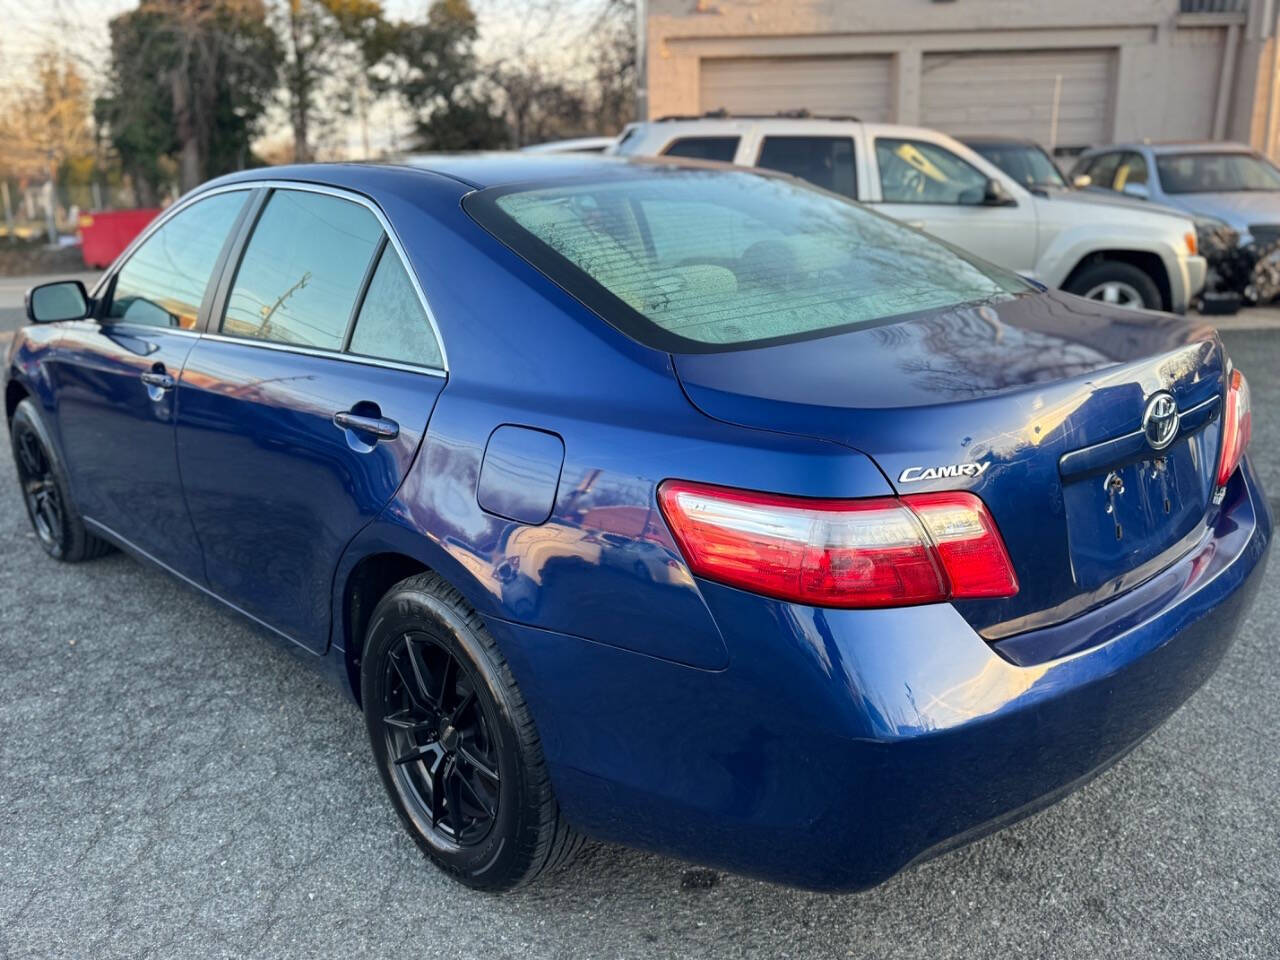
(695, 260)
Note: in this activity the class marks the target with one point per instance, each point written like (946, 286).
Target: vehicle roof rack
(722, 114)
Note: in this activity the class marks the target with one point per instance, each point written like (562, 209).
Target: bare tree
(327, 44)
(561, 68)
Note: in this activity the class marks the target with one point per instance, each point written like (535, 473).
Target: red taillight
(1237, 426)
(880, 552)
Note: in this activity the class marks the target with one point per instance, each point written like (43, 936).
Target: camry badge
(1160, 420)
(971, 470)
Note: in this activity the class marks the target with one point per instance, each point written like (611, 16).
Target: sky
(80, 27)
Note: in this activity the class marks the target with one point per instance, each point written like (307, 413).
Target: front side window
(302, 270)
(912, 171)
(824, 161)
(1216, 173)
(703, 148)
(1102, 172)
(1026, 163)
(164, 280)
(697, 260)
(392, 324)
(1132, 169)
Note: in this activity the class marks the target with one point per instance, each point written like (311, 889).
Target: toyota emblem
(1160, 421)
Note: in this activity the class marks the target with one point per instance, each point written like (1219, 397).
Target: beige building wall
(1170, 75)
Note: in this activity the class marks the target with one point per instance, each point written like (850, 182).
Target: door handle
(163, 381)
(915, 224)
(379, 427)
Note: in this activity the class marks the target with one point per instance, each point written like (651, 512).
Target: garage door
(1012, 92)
(841, 86)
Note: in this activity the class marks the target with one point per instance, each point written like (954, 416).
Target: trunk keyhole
(1114, 485)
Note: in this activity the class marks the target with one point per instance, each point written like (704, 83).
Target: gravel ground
(172, 784)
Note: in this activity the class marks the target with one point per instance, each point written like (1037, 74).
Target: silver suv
(1215, 183)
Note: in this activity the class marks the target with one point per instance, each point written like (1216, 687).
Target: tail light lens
(1237, 426)
(879, 552)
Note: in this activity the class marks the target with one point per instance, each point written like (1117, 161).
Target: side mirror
(995, 195)
(1138, 191)
(61, 300)
(1082, 181)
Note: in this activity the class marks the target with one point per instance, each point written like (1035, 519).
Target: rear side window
(704, 148)
(302, 270)
(824, 161)
(912, 171)
(164, 280)
(697, 260)
(392, 324)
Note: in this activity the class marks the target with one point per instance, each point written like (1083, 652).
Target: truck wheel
(1117, 283)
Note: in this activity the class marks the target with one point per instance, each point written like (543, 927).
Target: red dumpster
(105, 233)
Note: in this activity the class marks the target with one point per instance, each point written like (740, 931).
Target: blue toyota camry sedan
(678, 505)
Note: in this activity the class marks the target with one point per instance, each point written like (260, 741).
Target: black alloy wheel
(454, 742)
(442, 741)
(40, 488)
(54, 516)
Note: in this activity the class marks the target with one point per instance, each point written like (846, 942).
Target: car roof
(497, 168)
(474, 170)
(572, 145)
(1199, 146)
(1174, 146)
(993, 139)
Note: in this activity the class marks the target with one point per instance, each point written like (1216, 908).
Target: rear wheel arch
(367, 583)
(1149, 263)
(382, 555)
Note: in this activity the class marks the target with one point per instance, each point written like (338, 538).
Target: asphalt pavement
(172, 784)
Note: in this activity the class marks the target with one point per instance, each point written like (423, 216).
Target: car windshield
(690, 260)
(1215, 173)
(1025, 162)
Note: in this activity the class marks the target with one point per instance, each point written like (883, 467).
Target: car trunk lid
(1035, 404)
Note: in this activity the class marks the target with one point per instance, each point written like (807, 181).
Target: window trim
(229, 265)
(874, 149)
(370, 269)
(853, 157)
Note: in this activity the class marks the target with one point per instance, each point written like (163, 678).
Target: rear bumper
(840, 746)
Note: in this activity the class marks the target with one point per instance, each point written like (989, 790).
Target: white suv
(1121, 251)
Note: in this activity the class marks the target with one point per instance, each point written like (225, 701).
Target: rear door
(115, 378)
(302, 409)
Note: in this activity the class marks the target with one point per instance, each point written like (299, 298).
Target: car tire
(54, 518)
(454, 742)
(1101, 280)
